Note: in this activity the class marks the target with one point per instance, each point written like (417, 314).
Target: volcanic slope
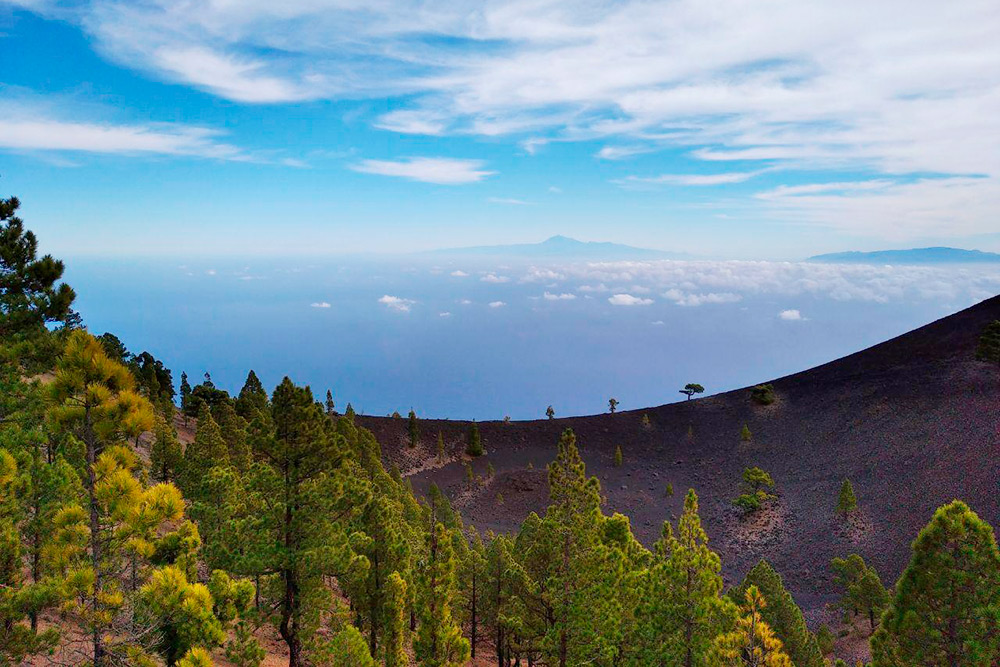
(913, 422)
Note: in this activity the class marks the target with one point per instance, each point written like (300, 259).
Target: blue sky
(766, 130)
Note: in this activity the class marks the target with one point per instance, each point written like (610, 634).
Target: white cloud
(628, 300)
(444, 314)
(465, 302)
(47, 134)
(726, 178)
(319, 304)
(508, 200)
(440, 170)
(497, 304)
(621, 152)
(890, 88)
(549, 296)
(494, 278)
(696, 283)
(458, 273)
(681, 298)
(790, 315)
(397, 303)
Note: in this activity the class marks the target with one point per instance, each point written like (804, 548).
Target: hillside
(914, 423)
(910, 256)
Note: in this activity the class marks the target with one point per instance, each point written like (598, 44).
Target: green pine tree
(473, 443)
(165, 454)
(946, 608)
(752, 643)
(862, 588)
(847, 503)
(618, 456)
(395, 617)
(682, 611)
(782, 615)
(413, 428)
(439, 641)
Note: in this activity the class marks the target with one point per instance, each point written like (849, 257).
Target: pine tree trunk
(90, 440)
(373, 610)
(473, 643)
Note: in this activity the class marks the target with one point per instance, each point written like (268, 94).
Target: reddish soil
(913, 422)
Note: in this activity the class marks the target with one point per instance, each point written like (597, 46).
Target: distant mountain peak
(933, 255)
(560, 246)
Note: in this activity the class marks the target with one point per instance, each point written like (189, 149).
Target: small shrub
(745, 434)
(690, 433)
(989, 343)
(612, 405)
(506, 419)
(645, 421)
(550, 412)
(670, 490)
(499, 499)
(470, 476)
(440, 446)
(490, 471)
(531, 466)
(618, 456)
(748, 502)
(762, 394)
(395, 415)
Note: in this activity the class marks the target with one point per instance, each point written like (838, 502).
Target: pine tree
(19, 600)
(329, 404)
(185, 394)
(752, 643)
(618, 456)
(473, 443)
(550, 412)
(182, 614)
(94, 398)
(252, 399)
(440, 447)
(781, 614)
(346, 649)
(612, 405)
(946, 608)
(395, 621)
(862, 588)
(31, 295)
(745, 435)
(682, 611)
(233, 429)
(165, 454)
(312, 488)
(439, 641)
(847, 503)
(413, 428)
(206, 452)
(988, 348)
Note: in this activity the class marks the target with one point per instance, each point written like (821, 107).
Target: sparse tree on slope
(989, 344)
(413, 428)
(691, 388)
(473, 442)
(612, 405)
(550, 412)
(847, 503)
(946, 609)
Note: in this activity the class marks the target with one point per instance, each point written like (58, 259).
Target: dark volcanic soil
(913, 422)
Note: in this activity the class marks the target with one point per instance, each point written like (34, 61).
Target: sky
(768, 130)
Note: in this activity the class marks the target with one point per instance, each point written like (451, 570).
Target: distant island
(565, 247)
(911, 256)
